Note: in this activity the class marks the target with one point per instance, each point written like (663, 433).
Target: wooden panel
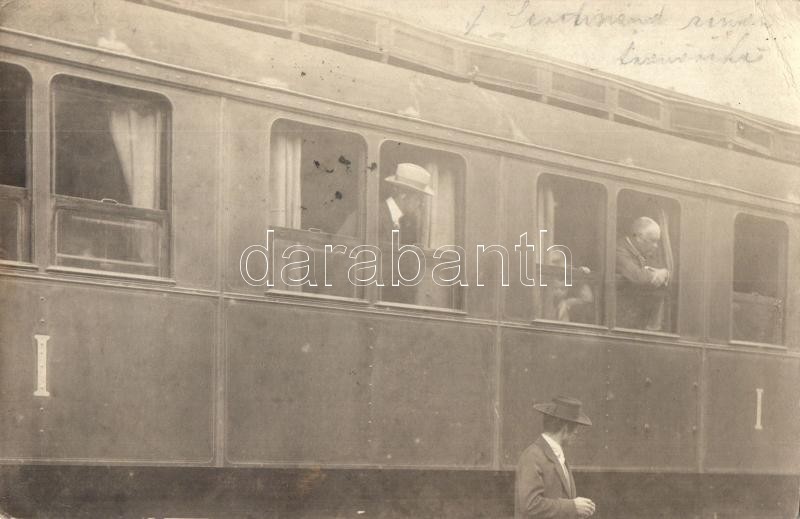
(298, 385)
(431, 394)
(642, 399)
(195, 167)
(691, 289)
(520, 217)
(20, 418)
(792, 316)
(537, 367)
(480, 212)
(652, 407)
(341, 25)
(719, 271)
(246, 205)
(321, 386)
(508, 70)
(424, 48)
(734, 441)
(129, 374)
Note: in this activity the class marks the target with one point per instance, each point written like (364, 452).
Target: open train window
(572, 214)
(420, 201)
(647, 261)
(316, 199)
(15, 87)
(759, 279)
(110, 176)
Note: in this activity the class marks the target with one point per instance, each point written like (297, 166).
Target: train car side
(118, 369)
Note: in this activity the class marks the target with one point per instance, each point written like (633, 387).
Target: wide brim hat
(566, 408)
(412, 176)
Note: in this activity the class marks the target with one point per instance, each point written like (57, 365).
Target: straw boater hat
(566, 408)
(412, 176)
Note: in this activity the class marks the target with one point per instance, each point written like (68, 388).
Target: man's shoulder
(622, 245)
(535, 450)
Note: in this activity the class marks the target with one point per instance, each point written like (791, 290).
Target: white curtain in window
(547, 217)
(442, 210)
(136, 138)
(284, 180)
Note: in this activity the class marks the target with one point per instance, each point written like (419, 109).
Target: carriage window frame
(612, 295)
(107, 214)
(20, 195)
(458, 292)
(781, 281)
(596, 278)
(293, 232)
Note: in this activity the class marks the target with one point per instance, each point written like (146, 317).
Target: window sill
(420, 308)
(585, 326)
(649, 333)
(111, 275)
(22, 265)
(764, 345)
(291, 294)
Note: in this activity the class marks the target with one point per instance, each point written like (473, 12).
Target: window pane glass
(308, 260)
(10, 211)
(315, 178)
(759, 279)
(420, 194)
(107, 242)
(110, 156)
(573, 214)
(647, 261)
(109, 144)
(316, 199)
(14, 88)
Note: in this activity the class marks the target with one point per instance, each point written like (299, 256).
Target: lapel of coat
(573, 493)
(548, 452)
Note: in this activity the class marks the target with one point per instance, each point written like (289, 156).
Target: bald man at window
(641, 282)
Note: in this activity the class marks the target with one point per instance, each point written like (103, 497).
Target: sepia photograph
(329, 259)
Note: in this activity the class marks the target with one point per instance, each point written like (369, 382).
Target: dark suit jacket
(639, 304)
(408, 227)
(541, 486)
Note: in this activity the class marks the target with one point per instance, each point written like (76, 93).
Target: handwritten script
(666, 35)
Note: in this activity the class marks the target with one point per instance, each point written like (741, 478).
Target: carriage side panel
(129, 375)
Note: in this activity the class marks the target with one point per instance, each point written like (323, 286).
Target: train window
(15, 87)
(110, 166)
(420, 197)
(572, 212)
(647, 261)
(759, 279)
(316, 199)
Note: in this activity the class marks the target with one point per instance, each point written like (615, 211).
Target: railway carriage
(144, 372)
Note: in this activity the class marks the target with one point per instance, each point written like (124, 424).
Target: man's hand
(584, 505)
(658, 277)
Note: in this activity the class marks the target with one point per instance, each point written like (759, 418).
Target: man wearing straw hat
(406, 193)
(544, 484)
(402, 209)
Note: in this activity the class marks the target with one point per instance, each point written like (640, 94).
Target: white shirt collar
(555, 446)
(394, 211)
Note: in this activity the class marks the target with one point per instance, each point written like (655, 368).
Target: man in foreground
(544, 484)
